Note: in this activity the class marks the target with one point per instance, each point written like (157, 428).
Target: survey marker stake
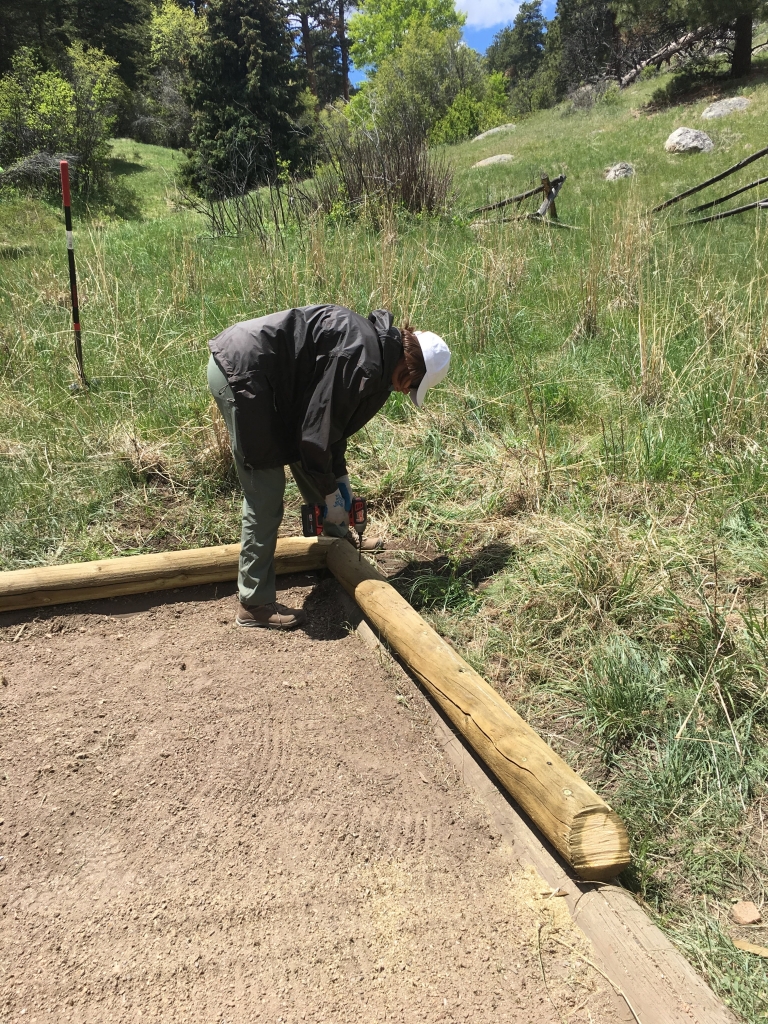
(65, 194)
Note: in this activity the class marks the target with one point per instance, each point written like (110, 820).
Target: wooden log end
(599, 844)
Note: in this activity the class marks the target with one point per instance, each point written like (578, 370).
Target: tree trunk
(344, 46)
(309, 56)
(615, 60)
(741, 64)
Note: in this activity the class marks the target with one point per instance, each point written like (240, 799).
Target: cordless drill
(312, 520)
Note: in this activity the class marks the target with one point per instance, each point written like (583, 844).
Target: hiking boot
(269, 616)
(369, 543)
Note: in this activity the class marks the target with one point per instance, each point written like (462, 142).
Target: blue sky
(484, 19)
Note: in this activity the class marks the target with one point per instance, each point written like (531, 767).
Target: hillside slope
(595, 468)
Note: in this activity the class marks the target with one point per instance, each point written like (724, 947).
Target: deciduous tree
(379, 27)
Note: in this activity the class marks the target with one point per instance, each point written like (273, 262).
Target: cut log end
(599, 845)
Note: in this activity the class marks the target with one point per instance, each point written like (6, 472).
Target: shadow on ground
(449, 582)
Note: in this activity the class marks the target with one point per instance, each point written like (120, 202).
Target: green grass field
(594, 469)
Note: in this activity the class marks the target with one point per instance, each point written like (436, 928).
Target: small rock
(745, 913)
(620, 170)
(689, 140)
(493, 131)
(721, 108)
(500, 158)
(3, 681)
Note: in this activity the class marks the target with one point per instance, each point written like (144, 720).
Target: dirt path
(204, 823)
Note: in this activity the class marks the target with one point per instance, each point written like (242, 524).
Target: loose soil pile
(204, 823)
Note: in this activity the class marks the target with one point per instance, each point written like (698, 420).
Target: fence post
(546, 188)
(65, 195)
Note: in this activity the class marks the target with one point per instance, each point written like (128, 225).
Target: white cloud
(488, 13)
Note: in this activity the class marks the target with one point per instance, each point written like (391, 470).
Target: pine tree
(245, 98)
(120, 29)
(517, 50)
(728, 19)
(317, 50)
(738, 16)
(587, 40)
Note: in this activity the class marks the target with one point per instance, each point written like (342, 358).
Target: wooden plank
(656, 981)
(581, 826)
(760, 204)
(514, 199)
(731, 195)
(711, 181)
(138, 574)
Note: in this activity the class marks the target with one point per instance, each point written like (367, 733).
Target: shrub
(460, 121)
(38, 174)
(495, 101)
(373, 167)
(96, 92)
(37, 109)
(49, 111)
(420, 82)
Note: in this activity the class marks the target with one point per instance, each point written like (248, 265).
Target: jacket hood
(389, 339)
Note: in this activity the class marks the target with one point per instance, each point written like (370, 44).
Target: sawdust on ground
(208, 824)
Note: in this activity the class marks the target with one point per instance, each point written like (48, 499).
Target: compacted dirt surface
(205, 823)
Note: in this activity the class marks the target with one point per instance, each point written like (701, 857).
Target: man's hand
(346, 490)
(336, 517)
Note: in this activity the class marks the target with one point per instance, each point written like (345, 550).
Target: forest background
(223, 77)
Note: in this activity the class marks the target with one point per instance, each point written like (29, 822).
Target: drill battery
(312, 518)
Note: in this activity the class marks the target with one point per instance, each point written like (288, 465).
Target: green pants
(263, 491)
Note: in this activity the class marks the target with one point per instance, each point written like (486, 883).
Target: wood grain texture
(138, 574)
(581, 826)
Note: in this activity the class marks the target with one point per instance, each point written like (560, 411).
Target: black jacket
(304, 380)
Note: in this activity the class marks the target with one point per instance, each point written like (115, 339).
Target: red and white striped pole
(64, 167)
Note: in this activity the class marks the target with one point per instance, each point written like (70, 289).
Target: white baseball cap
(436, 359)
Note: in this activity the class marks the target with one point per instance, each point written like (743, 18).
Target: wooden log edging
(139, 574)
(579, 824)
